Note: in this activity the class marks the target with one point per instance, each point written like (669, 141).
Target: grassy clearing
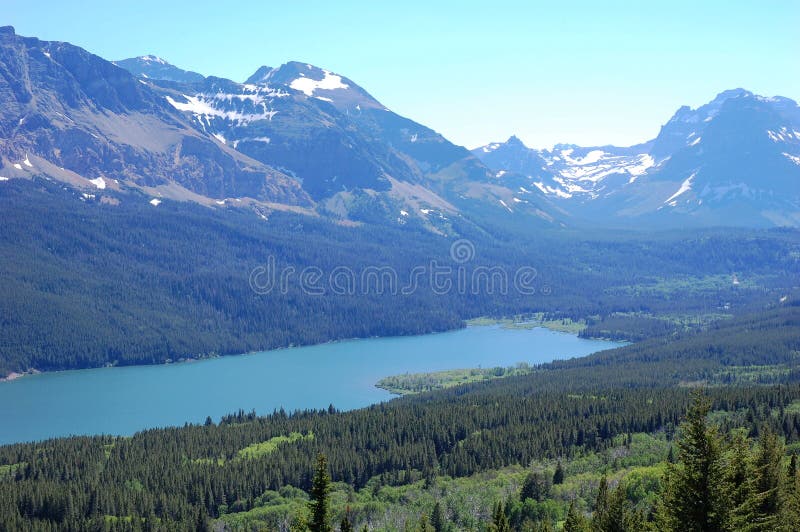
(10, 469)
(271, 445)
(532, 321)
(411, 383)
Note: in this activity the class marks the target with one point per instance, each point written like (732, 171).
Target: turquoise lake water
(127, 399)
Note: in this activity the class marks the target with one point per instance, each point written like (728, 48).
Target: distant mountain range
(301, 138)
(733, 161)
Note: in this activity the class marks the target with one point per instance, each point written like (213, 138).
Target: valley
(271, 301)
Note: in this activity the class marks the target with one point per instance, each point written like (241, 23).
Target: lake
(124, 400)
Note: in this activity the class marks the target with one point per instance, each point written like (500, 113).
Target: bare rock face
(73, 111)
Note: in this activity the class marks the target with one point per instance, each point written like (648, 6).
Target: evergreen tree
(695, 492)
(201, 521)
(575, 521)
(613, 512)
(600, 518)
(545, 526)
(558, 476)
(790, 514)
(424, 525)
(346, 525)
(739, 477)
(768, 483)
(320, 492)
(499, 519)
(534, 487)
(437, 518)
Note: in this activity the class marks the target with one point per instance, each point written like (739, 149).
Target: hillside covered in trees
(605, 415)
(90, 283)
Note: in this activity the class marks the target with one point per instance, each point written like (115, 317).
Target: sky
(582, 72)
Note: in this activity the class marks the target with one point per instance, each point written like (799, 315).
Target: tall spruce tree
(740, 478)
(768, 483)
(575, 521)
(499, 519)
(601, 507)
(437, 518)
(558, 475)
(320, 492)
(695, 494)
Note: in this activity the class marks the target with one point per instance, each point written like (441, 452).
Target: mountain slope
(733, 161)
(151, 66)
(355, 158)
(70, 115)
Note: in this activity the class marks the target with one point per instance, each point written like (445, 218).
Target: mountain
(304, 138)
(733, 161)
(355, 158)
(295, 137)
(153, 67)
(740, 162)
(69, 115)
(568, 170)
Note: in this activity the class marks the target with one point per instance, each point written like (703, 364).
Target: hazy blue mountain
(153, 67)
(733, 161)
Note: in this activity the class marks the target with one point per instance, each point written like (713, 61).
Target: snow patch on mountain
(793, 158)
(308, 86)
(685, 186)
(203, 106)
(552, 190)
(153, 59)
(783, 135)
(595, 166)
(99, 183)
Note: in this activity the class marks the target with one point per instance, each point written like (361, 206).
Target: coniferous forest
(133, 284)
(595, 442)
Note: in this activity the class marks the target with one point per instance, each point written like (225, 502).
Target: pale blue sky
(588, 72)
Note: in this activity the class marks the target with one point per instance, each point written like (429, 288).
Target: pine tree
(694, 498)
(534, 487)
(424, 525)
(545, 526)
(575, 522)
(201, 520)
(768, 483)
(558, 476)
(613, 512)
(740, 478)
(346, 525)
(437, 518)
(790, 514)
(320, 492)
(499, 519)
(601, 507)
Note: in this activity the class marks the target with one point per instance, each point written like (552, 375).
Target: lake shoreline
(123, 400)
(482, 321)
(14, 375)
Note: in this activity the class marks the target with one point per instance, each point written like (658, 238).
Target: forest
(603, 417)
(87, 283)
